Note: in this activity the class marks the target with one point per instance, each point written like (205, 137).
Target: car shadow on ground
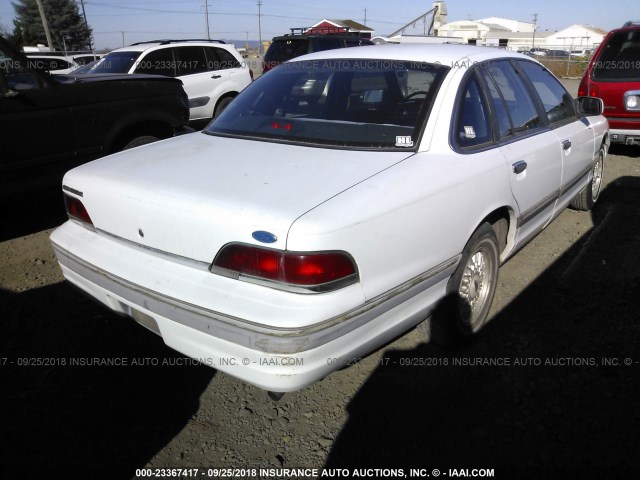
(570, 408)
(631, 151)
(86, 393)
(31, 213)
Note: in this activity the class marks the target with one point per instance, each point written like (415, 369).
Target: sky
(115, 22)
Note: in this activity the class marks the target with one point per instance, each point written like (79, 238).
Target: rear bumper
(625, 136)
(625, 130)
(271, 357)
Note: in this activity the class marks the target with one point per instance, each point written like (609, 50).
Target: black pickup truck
(51, 123)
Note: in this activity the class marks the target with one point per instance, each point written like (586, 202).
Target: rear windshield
(342, 103)
(620, 58)
(116, 62)
(283, 50)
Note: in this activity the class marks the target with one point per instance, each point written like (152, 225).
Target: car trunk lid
(191, 195)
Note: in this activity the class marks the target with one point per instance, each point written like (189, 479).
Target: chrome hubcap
(475, 284)
(596, 183)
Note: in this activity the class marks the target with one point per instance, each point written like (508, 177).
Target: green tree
(66, 25)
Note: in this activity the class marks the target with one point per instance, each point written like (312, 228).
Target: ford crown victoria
(341, 200)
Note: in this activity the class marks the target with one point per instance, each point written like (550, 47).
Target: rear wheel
(587, 198)
(470, 291)
(222, 104)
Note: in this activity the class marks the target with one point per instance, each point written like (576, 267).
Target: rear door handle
(519, 167)
(216, 76)
(566, 145)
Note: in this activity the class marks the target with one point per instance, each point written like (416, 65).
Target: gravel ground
(562, 402)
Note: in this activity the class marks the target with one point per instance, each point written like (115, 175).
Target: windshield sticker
(469, 132)
(404, 141)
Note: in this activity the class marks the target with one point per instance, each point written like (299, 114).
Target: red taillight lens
(76, 210)
(590, 90)
(582, 90)
(303, 269)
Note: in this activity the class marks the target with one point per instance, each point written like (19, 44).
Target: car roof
(445, 54)
(142, 46)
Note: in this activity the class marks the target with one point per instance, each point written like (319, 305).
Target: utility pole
(122, 38)
(259, 3)
(535, 21)
(365, 16)
(206, 17)
(84, 14)
(45, 24)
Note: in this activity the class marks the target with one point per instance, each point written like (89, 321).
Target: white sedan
(339, 201)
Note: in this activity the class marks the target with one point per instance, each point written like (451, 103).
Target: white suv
(212, 71)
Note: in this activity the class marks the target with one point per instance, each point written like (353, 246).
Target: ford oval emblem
(264, 237)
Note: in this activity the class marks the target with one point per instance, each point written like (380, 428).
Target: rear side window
(220, 59)
(558, 103)
(620, 58)
(522, 110)
(473, 125)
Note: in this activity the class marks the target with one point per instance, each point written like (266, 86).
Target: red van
(613, 75)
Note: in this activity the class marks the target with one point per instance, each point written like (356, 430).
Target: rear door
(575, 137)
(532, 151)
(228, 72)
(199, 83)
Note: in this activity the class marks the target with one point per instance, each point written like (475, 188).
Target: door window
(158, 62)
(558, 104)
(190, 60)
(505, 128)
(522, 110)
(14, 75)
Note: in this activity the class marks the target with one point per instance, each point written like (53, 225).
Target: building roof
(350, 25)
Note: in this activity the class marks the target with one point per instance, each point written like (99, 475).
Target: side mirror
(589, 106)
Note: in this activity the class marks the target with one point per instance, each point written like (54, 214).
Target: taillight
(76, 210)
(313, 270)
(582, 90)
(593, 91)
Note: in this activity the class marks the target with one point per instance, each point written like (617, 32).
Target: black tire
(138, 141)
(588, 196)
(222, 104)
(470, 291)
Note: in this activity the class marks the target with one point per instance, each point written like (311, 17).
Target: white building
(470, 31)
(516, 35)
(576, 37)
